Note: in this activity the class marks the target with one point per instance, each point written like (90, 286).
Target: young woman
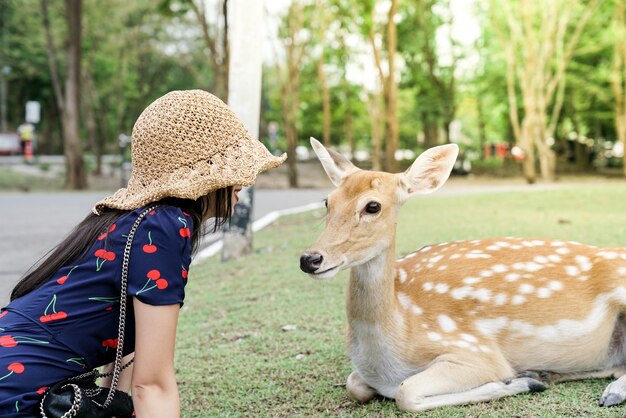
(191, 155)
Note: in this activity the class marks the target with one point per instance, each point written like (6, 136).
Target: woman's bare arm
(154, 389)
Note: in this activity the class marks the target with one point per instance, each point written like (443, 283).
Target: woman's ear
(429, 172)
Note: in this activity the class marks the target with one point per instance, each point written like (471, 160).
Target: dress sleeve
(160, 257)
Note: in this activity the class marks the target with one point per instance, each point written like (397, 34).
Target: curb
(257, 225)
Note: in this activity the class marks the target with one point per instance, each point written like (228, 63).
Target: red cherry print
(102, 236)
(154, 274)
(185, 213)
(109, 343)
(7, 341)
(149, 248)
(61, 279)
(184, 232)
(57, 316)
(42, 389)
(3, 313)
(100, 253)
(112, 228)
(16, 367)
(109, 256)
(151, 212)
(108, 308)
(161, 284)
(185, 274)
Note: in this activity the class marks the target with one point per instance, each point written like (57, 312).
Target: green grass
(233, 359)
(13, 181)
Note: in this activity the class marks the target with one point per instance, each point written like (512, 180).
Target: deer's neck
(371, 293)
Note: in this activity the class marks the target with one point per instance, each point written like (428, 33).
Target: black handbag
(80, 396)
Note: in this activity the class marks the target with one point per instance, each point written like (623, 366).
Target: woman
(191, 155)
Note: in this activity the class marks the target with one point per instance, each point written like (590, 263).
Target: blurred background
(528, 89)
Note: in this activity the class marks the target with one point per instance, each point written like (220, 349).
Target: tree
(618, 79)
(294, 41)
(538, 47)
(68, 101)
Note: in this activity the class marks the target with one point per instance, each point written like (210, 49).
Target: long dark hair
(84, 235)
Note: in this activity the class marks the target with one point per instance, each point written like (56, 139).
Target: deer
(463, 322)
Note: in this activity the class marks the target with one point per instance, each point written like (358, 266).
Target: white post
(244, 97)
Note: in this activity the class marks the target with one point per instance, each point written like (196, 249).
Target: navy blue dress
(69, 325)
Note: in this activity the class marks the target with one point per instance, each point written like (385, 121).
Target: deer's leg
(615, 393)
(358, 390)
(553, 377)
(461, 381)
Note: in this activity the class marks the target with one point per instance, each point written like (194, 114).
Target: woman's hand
(154, 389)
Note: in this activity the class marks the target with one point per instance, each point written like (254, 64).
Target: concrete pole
(244, 97)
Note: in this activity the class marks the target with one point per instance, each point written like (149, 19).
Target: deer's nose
(310, 263)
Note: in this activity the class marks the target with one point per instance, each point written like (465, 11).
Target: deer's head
(363, 209)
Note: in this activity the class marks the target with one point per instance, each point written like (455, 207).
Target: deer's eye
(326, 203)
(372, 207)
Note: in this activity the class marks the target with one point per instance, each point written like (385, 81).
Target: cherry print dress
(69, 325)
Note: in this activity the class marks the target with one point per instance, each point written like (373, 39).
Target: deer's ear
(429, 172)
(335, 164)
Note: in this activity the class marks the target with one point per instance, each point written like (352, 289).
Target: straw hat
(187, 144)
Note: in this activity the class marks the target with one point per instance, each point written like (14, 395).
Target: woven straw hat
(187, 144)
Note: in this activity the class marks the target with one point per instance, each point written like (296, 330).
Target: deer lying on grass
(467, 321)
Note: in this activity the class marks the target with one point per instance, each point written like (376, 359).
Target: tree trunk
(90, 121)
(325, 100)
(482, 132)
(391, 96)
(349, 133)
(375, 114)
(75, 176)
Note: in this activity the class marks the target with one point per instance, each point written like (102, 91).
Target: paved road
(32, 223)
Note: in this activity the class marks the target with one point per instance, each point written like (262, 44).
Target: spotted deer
(467, 321)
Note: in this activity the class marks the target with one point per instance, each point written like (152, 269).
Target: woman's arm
(154, 389)
(125, 377)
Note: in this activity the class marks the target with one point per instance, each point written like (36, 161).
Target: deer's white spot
(555, 285)
(471, 280)
(442, 268)
(461, 344)
(493, 248)
(441, 288)
(492, 326)
(519, 266)
(469, 337)
(511, 277)
(537, 242)
(482, 295)
(475, 241)
(474, 255)
(428, 286)
(532, 266)
(516, 247)
(518, 299)
(572, 270)
(500, 299)
(484, 349)
(540, 259)
(433, 336)
(446, 323)
(455, 256)
(621, 271)
(557, 243)
(425, 249)
(425, 326)
(417, 310)
(609, 255)
(526, 288)
(527, 244)
(544, 292)
(402, 275)
(623, 256)
(404, 299)
(502, 244)
(562, 250)
(435, 259)
(462, 292)
(499, 268)
(486, 273)
(554, 258)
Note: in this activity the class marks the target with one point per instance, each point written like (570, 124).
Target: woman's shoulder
(169, 218)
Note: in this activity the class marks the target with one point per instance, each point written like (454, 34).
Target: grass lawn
(233, 359)
(14, 181)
